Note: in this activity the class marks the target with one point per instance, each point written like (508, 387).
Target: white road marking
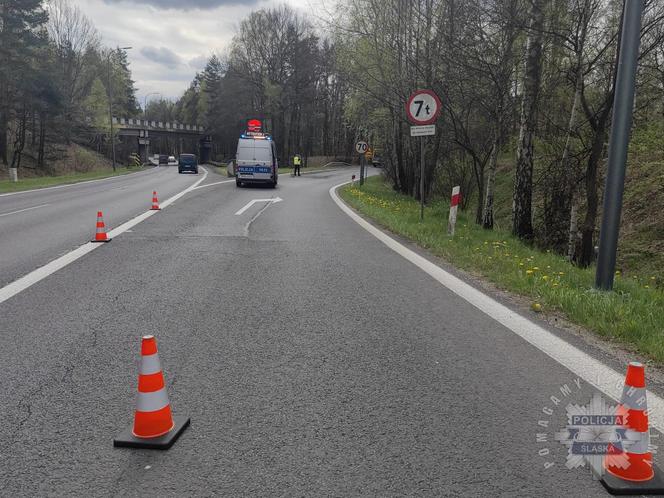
(17, 286)
(582, 364)
(24, 210)
(273, 200)
(215, 183)
(72, 184)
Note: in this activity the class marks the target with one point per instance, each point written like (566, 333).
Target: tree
(522, 225)
(20, 37)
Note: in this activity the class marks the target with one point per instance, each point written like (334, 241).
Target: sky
(172, 39)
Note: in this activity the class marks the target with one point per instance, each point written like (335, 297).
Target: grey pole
(623, 104)
(110, 106)
(361, 169)
(422, 178)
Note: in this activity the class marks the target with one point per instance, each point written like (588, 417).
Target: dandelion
(561, 273)
(646, 286)
(545, 277)
(536, 268)
(520, 264)
(529, 272)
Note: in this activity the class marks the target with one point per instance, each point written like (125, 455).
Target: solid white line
(24, 210)
(215, 183)
(585, 366)
(17, 286)
(72, 184)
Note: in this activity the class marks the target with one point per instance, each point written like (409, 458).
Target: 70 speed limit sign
(361, 147)
(423, 107)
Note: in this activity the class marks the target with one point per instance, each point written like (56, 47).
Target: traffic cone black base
(616, 486)
(102, 241)
(128, 440)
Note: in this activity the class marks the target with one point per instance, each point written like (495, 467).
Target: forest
(527, 88)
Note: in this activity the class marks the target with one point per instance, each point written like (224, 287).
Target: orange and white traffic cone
(154, 425)
(155, 202)
(631, 471)
(101, 235)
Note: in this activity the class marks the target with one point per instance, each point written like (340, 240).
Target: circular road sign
(361, 147)
(423, 107)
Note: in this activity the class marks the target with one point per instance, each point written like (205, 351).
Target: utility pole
(110, 101)
(623, 105)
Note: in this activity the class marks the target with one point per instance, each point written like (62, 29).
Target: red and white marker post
(454, 206)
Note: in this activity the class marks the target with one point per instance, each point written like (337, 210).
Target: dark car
(377, 162)
(187, 162)
(163, 159)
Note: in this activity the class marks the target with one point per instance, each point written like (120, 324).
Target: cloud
(189, 4)
(162, 55)
(198, 62)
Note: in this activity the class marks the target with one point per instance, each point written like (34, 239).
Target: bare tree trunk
(487, 215)
(573, 229)
(522, 225)
(3, 136)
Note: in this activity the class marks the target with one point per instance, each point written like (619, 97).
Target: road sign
(423, 107)
(361, 147)
(422, 131)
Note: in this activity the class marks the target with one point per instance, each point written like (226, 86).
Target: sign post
(361, 148)
(423, 108)
(618, 144)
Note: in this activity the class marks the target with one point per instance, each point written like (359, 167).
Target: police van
(256, 160)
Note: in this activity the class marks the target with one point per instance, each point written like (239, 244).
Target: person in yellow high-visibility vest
(297, 163)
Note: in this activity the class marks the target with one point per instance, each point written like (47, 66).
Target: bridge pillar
(143, 145)
(205, 147)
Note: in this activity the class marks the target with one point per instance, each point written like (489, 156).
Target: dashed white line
(41, 273)
(580, 363)
(24, 210)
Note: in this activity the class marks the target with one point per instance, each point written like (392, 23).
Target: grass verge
(51, 181)
(632, 315)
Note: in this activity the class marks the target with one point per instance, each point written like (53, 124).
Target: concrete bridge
(156, 137)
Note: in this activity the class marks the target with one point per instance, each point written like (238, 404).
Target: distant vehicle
(256, 160)
(377, 161)
(187, 162)
(172, 160)
(163, 159)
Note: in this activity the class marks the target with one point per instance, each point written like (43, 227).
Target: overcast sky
(172, 39)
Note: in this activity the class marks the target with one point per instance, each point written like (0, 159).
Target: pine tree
(20, 36)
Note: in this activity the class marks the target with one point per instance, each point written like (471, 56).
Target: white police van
(256, 160)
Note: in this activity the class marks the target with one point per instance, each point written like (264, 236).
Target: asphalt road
(312, 360)
(38, 225)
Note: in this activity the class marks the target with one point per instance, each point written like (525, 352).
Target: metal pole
(422, 179)
(361, 169)
(621, 124)
(110, 107)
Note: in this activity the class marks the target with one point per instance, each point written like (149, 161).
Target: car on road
(187, 162)
(377, 161)
(172, 160)
(163, 159)
(256, 160)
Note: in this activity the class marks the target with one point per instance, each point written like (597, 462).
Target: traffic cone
(101, 235)
(631, 471)
(154, 425)
(155, 202)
